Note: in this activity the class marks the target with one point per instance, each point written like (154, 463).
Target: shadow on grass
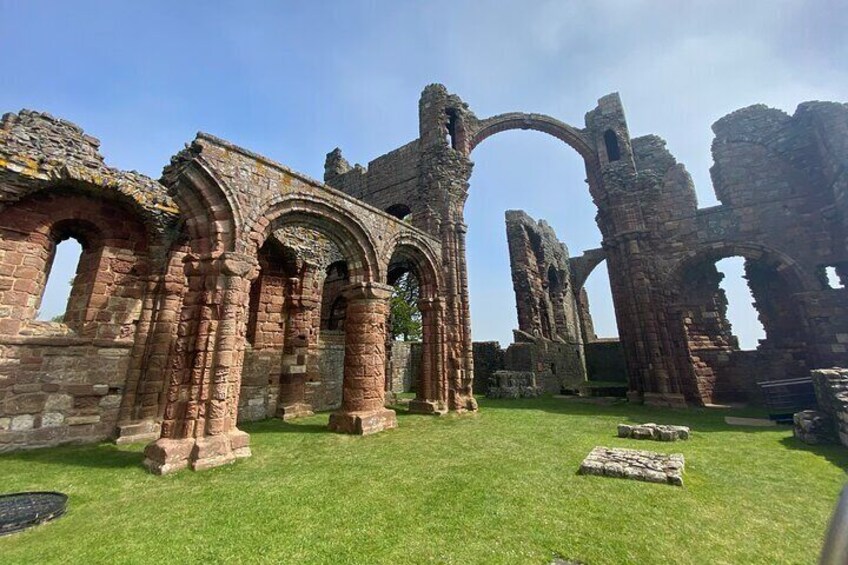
(836, 454)
(275, 426)
(101, 456)
(701, 420)
(309, 425)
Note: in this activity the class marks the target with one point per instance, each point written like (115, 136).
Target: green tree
(405, 316)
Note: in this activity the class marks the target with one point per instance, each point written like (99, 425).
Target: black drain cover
(26, 509)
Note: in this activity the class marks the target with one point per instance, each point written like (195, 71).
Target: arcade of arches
(234, 288)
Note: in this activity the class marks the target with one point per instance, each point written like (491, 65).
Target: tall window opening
(451, 128)
(741, 313)
(833, 279)
(611, 141)
(60, 281)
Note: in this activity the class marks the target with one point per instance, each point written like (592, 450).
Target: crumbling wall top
(39, 150)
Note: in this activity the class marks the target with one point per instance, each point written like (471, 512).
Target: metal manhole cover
(26, 509)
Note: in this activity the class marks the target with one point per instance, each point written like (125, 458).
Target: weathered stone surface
(513, 384)
(814, 427)
(634, 464)
(656, 432)
(212, 291)
(831, 423)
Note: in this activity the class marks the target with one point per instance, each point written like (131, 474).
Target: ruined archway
(425, 361)
(707, 348)
(549, 341)
(571, 136)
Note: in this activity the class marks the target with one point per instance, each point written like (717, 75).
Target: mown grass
(496, 487)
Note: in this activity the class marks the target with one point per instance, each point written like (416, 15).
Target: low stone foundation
(655, 432)
(831, 387)
(165, 456)
(634, 464)
(362, 423)
(513, 384)
(814, 427)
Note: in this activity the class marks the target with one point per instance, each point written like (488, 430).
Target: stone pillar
(642, 324)
(204, 378)
(299, 324)
(429, 394)
(459, 349)
(143, 403)
(362, 411)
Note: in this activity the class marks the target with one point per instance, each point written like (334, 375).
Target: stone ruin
(656, 432)
(513, 384)
(234, 288)
(828, 424)
(634, 464)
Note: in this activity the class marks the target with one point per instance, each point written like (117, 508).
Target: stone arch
(211, 218)
(795, 276)
(705, 348)
(347, 232)
(572, 136)
(419, 253)
(432, 385)
(107, 285)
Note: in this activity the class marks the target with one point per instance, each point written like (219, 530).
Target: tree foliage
(405, 315)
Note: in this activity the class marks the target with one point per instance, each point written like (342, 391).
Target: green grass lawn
(496, 487)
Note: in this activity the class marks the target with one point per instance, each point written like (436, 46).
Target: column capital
(428, 304)
(368, 290)
(228, 263)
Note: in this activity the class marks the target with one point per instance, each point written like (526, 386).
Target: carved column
(460, 369)
(143, 402)
(362, 411)
(204, 379)
(429, 394)
(299, 324)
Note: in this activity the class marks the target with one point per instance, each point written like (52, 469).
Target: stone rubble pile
(655, 432)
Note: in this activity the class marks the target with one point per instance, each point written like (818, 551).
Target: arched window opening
(553, 281)
(595, 306)
(834, 281)
(741, 314)
(451, 127)
(611, 142)
(399, 211)
(60, 281)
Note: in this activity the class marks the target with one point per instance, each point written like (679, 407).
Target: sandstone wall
(59, 389)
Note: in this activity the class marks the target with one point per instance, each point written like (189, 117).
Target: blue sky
(294, 80)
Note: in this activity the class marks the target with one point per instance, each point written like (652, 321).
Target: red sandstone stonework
(206, 298)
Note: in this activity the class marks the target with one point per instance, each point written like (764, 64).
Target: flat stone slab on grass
(752, 422)
(655, 432)
(634, 464)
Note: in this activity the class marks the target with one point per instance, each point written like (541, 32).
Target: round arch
(342, 229)
(420, 255)
(797, 279)
(572, 136)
